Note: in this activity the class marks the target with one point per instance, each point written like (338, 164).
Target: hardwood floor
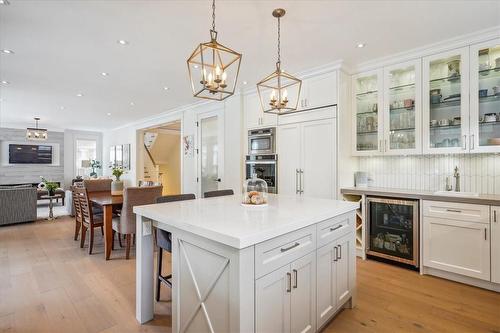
(49, 284)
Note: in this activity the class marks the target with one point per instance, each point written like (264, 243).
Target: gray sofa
(17, 204)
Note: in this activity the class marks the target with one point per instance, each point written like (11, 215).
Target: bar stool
(219, 193)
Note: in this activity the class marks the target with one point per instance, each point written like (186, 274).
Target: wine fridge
(393, 230)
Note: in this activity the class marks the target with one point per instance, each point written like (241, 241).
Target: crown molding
(438, 47)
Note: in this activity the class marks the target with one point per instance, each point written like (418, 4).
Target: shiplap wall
(479, 172)
(31, 173)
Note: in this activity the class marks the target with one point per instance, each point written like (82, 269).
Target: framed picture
(188, 145)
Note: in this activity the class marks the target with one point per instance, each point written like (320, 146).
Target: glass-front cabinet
(445, 102)
(485, 97)
(368, 125)
(402, 108)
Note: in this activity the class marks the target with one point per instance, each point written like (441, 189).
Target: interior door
(303, 304)
(272, 301)
(326, 292)
(210, 151)
(457, 246)
(495, 245)
(318, 158)
(288, 140)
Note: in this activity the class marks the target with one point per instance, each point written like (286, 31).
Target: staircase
(149, 139)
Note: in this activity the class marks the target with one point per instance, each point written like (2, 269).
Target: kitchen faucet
(456, 175)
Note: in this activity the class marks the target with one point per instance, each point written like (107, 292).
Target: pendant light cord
(279, 43)
(213, 15)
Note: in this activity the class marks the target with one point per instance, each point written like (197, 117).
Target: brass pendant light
(35, 133)
(213, 68)
(279, 92)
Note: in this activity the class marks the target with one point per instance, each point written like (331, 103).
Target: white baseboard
(462, 279)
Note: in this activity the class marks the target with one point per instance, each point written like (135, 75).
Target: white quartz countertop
(225, 220)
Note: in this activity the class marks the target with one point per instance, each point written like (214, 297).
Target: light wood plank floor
(49, 284)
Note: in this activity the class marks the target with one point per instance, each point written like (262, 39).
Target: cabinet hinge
(197, 179)
(197, 151)
(197, 124)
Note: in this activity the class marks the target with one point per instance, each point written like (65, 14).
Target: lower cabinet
(495, 244)
(333, 277)
(286, 299)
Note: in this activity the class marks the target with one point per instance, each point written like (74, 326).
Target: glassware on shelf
(255, 191)
(366, 113)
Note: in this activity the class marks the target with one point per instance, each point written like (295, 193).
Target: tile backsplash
(478, 172)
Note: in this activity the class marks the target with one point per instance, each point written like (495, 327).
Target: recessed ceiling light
(166, 88)
(245, 82)
(7, 51)
(5, 82)
(79, 95)
(122, 42)
(4, 2)
(132, 103)
(104, 74)
(109, 114)
(62, 107)
(360, 45)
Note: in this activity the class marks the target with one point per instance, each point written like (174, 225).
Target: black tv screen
(30, 154)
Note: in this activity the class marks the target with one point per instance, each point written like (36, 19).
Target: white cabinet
(254, 116)
(306, 158)
(334, 283)
(495, 244)
(455, 242)
(319, 91)
(285, 299)
(484, 100)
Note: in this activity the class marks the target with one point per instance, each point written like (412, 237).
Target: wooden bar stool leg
(159, 261)
(91, 240)
(127, 250)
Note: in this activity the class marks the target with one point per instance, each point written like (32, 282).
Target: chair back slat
(219, 193)
(76, 204)
(85, 206)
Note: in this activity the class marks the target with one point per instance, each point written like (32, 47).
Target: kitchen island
(289, 266)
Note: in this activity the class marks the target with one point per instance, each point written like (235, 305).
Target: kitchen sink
(457, 194)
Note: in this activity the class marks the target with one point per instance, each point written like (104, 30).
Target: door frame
(219, 113)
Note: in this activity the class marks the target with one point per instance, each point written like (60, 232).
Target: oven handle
(260, 162)
(259, 135)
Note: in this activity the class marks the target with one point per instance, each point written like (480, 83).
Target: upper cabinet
(485, 97)
(402, 108)
(368, 121)
(319, 91)
(446, 102)
(254, 116)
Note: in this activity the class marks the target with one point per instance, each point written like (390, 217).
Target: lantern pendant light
(213, 68)
(279, 92)
(35, 133)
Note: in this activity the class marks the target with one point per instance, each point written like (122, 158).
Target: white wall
(70, 138)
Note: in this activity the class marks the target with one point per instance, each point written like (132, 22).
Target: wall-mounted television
(30, 154)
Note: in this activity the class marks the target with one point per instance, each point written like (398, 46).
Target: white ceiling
(61, 47)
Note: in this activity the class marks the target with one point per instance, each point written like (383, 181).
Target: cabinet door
(318, 142)
(495, 245)
(485, 98)
(272, 301)
(288, 140)
(252, 110)
(457, 246)
(343, 270)
(303, 302)
(367, 127)
(402, 109)
(326, 291)
(446, 102)
(320, 90)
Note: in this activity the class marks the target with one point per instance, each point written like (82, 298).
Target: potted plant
(51, 187)
(117, 184)
(94, 164)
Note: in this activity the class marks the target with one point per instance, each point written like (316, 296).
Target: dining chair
(133, 196)
(164, 242)
(219, 193)
(89, 220)
(77, 208)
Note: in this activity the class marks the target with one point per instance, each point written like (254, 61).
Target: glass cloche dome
(254, 191)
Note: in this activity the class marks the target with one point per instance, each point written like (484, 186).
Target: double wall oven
(393, 230)
(262, 159)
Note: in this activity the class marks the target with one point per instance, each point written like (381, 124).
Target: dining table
(108, 203)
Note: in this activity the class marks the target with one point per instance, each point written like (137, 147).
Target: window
(86, 150)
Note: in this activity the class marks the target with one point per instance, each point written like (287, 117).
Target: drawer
(457, 211)
(332, 229)
(282, 250)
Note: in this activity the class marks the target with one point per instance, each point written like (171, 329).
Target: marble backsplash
(479, 172)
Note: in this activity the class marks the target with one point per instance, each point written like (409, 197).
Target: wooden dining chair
(164, 242)
(133, 196)
(219, 193)
(78, 211)
(89, 220)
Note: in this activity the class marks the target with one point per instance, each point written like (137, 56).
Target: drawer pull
(336, 228)
(284, 249)
(453, 210)
(289, 282)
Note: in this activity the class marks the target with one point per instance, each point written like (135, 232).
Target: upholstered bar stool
(164, 242)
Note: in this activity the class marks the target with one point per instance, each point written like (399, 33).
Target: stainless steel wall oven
(262, 141)
(265, 167)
